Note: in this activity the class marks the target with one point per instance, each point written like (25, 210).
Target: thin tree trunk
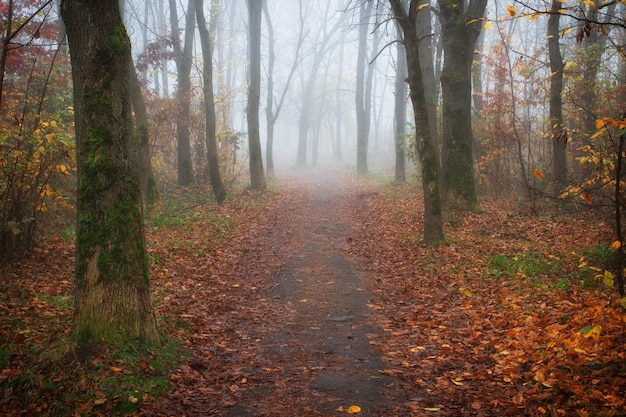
(559, 134)
(433, 225)
(362, 115)
(272, 113)
(321, 48)
(257, 176)
(6, 40)
(149, 186)
(477, 74)
(400, 111)
(212, 156)
(338, 106)
(183, 93)
(269, 103)
(425, 35)
(112, 299)
(592, 48)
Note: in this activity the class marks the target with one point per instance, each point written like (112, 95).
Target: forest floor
(319, 299)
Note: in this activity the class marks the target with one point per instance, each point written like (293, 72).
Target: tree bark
(183, 93)
(149, 188)
(460, 30)
(362, 109)
(338, 107)
(559, 134)
(400, 111)
(433, 226)
(257, 176)
(425, 35)
(112, 299)
(212, 156)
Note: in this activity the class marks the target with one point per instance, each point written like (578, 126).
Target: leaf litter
(456, 332)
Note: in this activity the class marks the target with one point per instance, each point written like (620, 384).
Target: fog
(331, 106)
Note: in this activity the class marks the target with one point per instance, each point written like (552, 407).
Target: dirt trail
(323, 340)
(284, 327)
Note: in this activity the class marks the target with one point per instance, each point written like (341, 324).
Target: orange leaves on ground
(522, 339)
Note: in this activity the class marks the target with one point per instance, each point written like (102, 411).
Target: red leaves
(468, 343)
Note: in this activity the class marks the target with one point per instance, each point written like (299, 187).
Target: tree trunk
(338, 107)
(162, 19)
(320, 49)
(559, 134)
(112, 300)
(433, 226)
(362, 114)
(6, 40)
(272, 113)
(477, 75)
(257, 176)
(460, 30)
(591, 48)
(183, 93)
(425, 35)
(149, 188)
(400, 110)
(269, 103)
(213, 160)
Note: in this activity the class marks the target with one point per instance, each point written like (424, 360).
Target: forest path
(323, 340)
(279, 324)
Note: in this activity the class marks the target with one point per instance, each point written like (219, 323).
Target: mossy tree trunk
(112, 300)
(433, 226)
(257, 175)
(460, 27)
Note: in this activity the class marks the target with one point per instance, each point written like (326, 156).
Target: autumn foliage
(510, 316)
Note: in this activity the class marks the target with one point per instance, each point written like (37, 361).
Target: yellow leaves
(353, 409)
(616, 245)
(608, 279)
(600, 132)
(538, 173)
(488, 25)
(592, 332)
(534, 16)
(466, 292)
(511, 10)
(590, 3)
(622, 302)
(421, 6)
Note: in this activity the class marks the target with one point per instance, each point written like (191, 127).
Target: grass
(65, 379)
